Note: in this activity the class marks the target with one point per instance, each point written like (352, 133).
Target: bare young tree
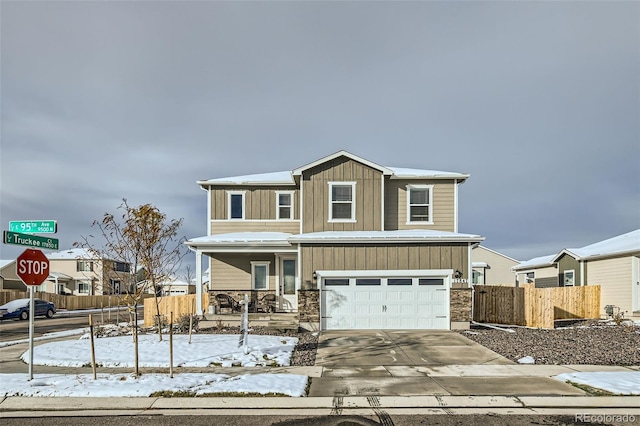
(145, 239)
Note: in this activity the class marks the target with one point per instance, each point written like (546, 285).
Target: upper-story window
(420, 204)
(284, 207)
(236, 204)
(121, 267)
(84, 266)
(342, 204)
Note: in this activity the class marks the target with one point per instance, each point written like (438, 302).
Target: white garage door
(367, 301)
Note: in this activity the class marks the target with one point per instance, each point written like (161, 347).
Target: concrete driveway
(411, 362)
(401, 348)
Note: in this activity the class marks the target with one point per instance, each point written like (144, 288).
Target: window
(84, 266)
(399, 281)
(531, 277)
(120, 267)
(284, 207)
(430, 281)
(569, 277)
(236, 204)
(83, 287)
(367, 281)
(342, 206)
(336, 281)
(260, 275)
(115, 286)
(419, 203)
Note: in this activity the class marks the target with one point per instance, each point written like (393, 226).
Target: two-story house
(344, 242)
(79, 272)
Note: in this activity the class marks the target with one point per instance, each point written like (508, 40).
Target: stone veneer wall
(309, 306)
(460, 305)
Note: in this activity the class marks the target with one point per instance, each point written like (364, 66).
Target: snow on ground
(624, 383)
(204, 350)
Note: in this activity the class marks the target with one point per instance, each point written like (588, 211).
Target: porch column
(199, 311)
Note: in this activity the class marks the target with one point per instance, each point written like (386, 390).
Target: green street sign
(30, 240)
(34, 226)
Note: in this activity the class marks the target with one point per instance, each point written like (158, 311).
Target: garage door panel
(396, 306)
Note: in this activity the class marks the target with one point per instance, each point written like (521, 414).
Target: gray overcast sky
(538, 101)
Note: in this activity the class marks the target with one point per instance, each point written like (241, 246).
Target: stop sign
(32, 267)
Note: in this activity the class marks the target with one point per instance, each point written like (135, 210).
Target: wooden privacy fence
(534, 307)
(179, 305)
(70, 302)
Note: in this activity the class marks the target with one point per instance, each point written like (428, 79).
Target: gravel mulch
(594, 342)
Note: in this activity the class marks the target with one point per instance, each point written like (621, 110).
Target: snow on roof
(241, 237)
(76, 253)
(624, 243)
(536, 262)
(4, 263)
(402, 172)
(407, 234)
(274, 178)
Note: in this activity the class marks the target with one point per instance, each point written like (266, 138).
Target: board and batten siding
(260, 201)
(614, 276)
(232, 271)
(368, 196)
(396, 205)
(362, 257)
(223, 227)
(568, 263)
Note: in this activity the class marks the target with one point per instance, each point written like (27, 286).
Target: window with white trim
(284, 205)
(568, 278)
(83, 287)
(342, 204)
(260, 275)
(235, 204)
(420, 204)
(530, 277)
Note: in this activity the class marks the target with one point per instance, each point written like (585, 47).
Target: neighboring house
(9, 279)
(491, 267)
(614, 264)
(344, 242)
(81, 273)
(541, 271)
(172, 287)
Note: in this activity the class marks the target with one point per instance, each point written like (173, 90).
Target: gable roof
(287, 178)
(621, 244)
(536, 262)
(343, 153)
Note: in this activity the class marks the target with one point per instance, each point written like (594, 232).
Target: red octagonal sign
(32, 267)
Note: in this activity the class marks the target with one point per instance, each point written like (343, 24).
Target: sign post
(32, 266)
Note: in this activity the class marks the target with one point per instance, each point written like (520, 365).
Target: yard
(585, 342)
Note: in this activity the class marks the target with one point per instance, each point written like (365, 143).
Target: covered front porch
(262, 265)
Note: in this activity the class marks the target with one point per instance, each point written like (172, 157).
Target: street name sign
(29, 240)
(32, 266)
(34, 226)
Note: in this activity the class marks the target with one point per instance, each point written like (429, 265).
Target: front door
(288, 299)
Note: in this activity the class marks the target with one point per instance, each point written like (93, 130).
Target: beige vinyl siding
(395, 205)
(380, 257)
(367, 196)
(259, 201)
(499, 270)
(222, 227)
(614, 276)
(232, 271)
(544, 276)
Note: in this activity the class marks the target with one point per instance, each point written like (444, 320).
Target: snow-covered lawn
(204, 350)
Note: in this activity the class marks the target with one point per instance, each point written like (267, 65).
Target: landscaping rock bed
(585, 342)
